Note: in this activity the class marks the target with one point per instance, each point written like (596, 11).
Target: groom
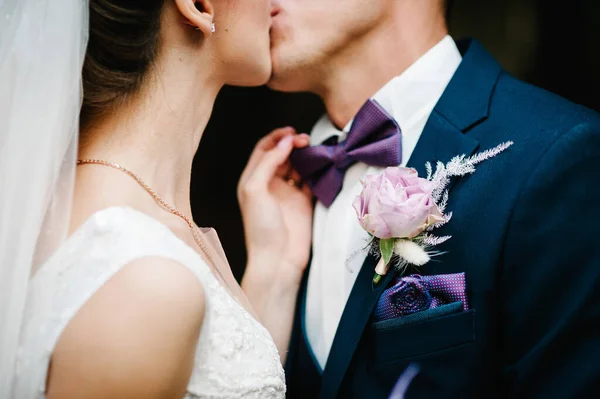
(524, 250)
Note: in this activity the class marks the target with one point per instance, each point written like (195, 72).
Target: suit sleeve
(550, 277)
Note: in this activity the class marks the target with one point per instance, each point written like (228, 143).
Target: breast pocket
(391, 343)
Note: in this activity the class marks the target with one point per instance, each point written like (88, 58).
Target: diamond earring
(212, 28)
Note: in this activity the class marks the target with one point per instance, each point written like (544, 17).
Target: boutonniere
(400, 210)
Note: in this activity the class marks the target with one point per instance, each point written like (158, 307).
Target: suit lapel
(361, 302)
(464, 104)
(441, 141)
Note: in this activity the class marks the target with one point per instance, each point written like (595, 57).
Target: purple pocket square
(416, 293)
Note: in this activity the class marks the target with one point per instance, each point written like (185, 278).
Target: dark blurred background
(552, 44)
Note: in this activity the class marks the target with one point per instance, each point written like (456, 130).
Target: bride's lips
(275, 11)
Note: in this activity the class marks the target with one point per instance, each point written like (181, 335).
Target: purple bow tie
(375, 139)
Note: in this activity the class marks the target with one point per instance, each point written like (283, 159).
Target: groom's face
(309, 36)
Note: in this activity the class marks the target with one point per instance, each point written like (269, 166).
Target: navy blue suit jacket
(525, 232)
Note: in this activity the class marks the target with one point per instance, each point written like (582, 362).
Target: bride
(108, 289)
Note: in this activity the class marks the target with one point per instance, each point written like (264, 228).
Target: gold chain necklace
(162, 202)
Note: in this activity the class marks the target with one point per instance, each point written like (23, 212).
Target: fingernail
(285, 142)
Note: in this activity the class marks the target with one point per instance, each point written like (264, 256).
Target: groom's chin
(281, 78)
(285, 83)
(292, 69)
(274, 83)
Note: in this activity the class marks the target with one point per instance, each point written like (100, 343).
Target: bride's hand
(277, 214)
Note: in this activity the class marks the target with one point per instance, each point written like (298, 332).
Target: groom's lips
(275, 27)
(275, 11)
(276, 16)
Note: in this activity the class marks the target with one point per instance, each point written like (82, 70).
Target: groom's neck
(366, 65)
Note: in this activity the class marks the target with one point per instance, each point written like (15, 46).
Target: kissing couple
(421, 242)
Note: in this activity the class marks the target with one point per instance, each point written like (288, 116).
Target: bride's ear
(198, 13)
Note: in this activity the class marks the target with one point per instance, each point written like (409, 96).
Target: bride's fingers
(265, 144)
(294, 176)
(284, 169)
(301, 140)
(271, 139)
(307, 191)
(266, 169)
(295, 179)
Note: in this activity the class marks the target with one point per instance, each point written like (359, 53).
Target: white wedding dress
(235, 356)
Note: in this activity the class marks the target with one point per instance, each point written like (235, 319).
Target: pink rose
(396, 204)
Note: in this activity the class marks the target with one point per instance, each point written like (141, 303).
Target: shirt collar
(407, 96)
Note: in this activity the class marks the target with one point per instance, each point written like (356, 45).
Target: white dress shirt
(338, 239)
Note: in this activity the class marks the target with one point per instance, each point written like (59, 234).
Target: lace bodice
(235, 355)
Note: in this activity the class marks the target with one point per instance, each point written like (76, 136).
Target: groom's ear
(197, 13)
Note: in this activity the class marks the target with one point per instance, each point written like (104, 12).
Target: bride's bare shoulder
(135, 337)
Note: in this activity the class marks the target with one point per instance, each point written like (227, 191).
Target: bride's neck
(157, 133)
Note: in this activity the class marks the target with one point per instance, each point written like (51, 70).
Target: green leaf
(376, 279)
(387, 249)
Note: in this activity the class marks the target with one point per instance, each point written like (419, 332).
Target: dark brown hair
(123, 44)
